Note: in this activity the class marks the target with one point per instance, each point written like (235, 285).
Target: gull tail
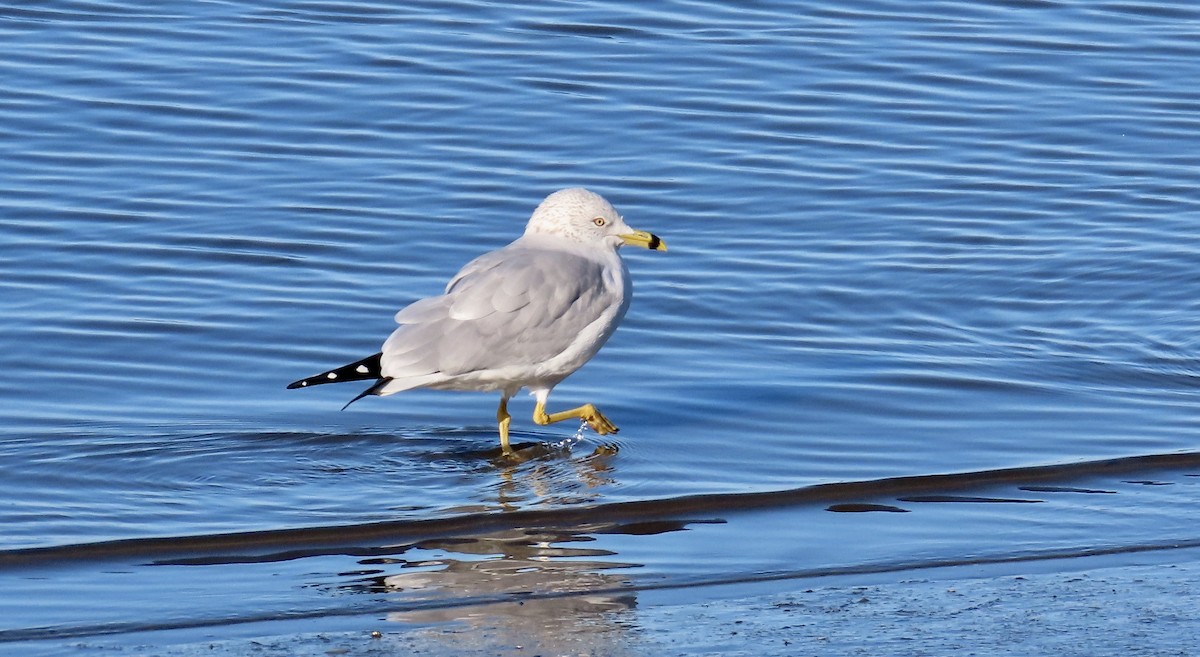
(367, 368)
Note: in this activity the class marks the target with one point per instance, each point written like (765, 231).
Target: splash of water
(567, 443)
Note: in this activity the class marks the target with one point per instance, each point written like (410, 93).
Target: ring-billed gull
(524, 316)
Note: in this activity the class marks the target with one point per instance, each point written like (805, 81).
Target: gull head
(583, 216)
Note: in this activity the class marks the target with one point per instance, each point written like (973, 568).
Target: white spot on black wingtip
(361, 369)
(303, 384)
(331, 375)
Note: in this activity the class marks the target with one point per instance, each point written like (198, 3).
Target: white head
(583, 216)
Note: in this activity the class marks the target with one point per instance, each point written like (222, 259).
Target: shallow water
(905, 241)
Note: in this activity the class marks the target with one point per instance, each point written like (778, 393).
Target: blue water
(905, 240)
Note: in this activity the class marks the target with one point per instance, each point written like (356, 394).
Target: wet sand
(825, 569)
(1098, 609)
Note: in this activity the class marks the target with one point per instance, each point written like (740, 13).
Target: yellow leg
(587, 413)
(504, 419)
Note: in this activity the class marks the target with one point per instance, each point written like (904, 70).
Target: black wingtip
(359, 370)
(373, 390)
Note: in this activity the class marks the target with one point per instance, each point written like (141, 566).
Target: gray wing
(512, 307)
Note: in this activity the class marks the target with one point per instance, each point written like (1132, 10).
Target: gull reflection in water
(542, 589)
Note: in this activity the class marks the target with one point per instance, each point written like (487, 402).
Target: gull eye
(599, 221)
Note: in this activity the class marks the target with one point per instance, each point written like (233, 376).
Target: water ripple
(905, 240)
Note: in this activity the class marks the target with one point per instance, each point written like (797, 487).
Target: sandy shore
(1147, 609)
